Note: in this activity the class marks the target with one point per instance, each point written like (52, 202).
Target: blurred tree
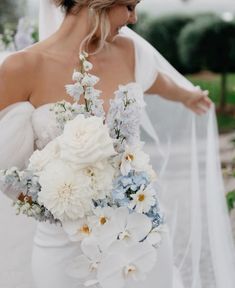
(163, 33)
(142, 25)
(11, 11)
(209, 43)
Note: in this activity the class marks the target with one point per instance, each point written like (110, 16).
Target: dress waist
(50, 235)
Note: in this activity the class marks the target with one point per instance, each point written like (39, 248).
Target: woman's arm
(197, 100)
(15, 79)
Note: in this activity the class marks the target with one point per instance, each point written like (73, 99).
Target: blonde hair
(98, 18)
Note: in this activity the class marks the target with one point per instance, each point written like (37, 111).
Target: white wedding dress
(52, 250)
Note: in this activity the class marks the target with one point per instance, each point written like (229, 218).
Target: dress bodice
(44, 121)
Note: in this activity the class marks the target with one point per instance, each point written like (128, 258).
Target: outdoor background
(198, 39)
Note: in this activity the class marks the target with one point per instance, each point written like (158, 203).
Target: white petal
(110, 273)
(90, 248)
(154, 238)
(143, 256)
(107, 235)
(89, 283)
(125, 167)
(120, 217)
(139, 225)
(79, 268)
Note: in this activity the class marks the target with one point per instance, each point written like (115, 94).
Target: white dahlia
(40, 159)
(63, 192)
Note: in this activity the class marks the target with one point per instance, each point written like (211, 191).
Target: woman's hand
(198, 101)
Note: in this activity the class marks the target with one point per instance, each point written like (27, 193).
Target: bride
(32, 79)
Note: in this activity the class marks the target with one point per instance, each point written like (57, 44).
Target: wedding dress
(53, 251)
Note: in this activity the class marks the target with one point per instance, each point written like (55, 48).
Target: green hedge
(190, 43)
(208, 43)
(163, 33)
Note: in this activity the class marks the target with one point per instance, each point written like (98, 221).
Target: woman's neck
(72, 31)
(66, 41)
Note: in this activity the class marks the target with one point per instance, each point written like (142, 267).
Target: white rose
(86, 141)
(40, 159)
(102, 176)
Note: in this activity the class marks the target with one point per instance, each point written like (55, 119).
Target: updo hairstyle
(98, 16)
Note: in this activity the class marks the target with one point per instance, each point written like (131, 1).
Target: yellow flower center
(85, 229)
(125, 235)
(141, 197)
(103, 220)
(65, 191)
(90, 172)
(129, 157)
(130, 269)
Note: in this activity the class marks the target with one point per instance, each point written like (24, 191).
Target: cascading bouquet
(96, 181)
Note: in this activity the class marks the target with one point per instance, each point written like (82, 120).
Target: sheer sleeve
(145, 72)
(16, 138)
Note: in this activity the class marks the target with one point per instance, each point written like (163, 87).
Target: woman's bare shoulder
(125, 42)
(17, 74)
(127, 48)
(18, 62)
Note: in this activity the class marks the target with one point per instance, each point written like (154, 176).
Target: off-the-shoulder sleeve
(146, 70)
(16, 140)
(16, 135)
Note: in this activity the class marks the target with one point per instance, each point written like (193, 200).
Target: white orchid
(134, 159)
(125, 263)
(103, 215)
(86, 264)
(155, 236)
(143, 199)
(126, 226)
(79, 229)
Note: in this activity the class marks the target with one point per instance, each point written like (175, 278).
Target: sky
(170, 6)
(159, 7)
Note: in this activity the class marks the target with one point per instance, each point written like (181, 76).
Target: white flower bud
(87, 66)
(77, 76)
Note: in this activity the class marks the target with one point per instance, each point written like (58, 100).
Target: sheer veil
(184, 149)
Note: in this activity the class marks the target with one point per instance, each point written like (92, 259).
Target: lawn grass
(212, 82)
